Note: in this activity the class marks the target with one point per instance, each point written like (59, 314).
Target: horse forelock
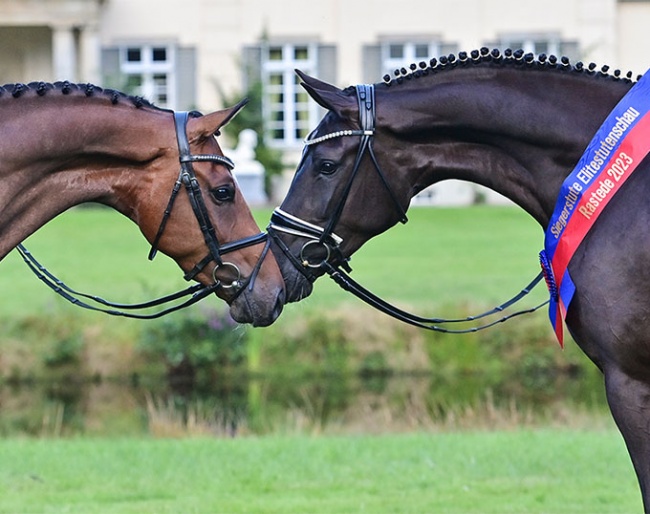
(65, 88)
(513, 58)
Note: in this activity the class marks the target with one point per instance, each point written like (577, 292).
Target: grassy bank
(539, 471)
(430, 455)
(447, 262)
(442, 256)
(326, 360)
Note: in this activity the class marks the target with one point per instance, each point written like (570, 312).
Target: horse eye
(223, 193)
(328, 167)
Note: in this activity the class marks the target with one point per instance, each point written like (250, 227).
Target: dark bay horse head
(334, 170)
(517, 124)
(446, 121)
(64, 144)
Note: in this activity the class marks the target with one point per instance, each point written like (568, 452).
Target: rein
(196, 292)
(334, 259)
(348, 284)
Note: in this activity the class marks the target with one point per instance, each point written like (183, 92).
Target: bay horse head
(203, 167)
(163, 170)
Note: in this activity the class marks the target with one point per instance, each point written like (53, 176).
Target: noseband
(334, 259)
(186, 178)
(282, 221)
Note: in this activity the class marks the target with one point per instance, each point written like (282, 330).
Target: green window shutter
(111, 75)
(570, 49)
(327, 63)
(185, 79)
(251, 66)
(371, 63)
(448, 48)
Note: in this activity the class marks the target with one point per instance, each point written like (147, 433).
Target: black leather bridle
(186, 178)
(325, 238)
(333, 259)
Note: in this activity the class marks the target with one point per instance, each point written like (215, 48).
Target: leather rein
(196, 292)
(334, 260)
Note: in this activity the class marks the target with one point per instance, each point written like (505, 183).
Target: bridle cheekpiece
(282, 221)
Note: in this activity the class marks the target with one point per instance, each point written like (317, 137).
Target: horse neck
(518, 132)
(61, 151)
(44, 137)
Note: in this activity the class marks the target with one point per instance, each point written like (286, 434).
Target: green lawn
(540, 471)
(442, 256)
(93, 250)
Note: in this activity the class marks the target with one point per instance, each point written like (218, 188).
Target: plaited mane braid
(508, 57)
(18, 90)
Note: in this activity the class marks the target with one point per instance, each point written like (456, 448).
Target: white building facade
(185, 54)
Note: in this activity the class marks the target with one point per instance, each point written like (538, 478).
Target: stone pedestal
(248, 172)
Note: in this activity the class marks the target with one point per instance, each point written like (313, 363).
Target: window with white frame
(394, 52)
(545, 43)
(148, 71)
(289, 113)
(549, 45)
(400, 54)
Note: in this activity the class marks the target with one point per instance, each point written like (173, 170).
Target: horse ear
(326, 95)
(210, 124)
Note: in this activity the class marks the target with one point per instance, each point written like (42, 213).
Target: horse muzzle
(300, 268)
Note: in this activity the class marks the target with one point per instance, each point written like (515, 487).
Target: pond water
(333, 404)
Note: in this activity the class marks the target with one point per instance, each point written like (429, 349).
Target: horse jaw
(296, 285)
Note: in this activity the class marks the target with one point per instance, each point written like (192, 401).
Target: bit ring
(235, 283)
(305, 261)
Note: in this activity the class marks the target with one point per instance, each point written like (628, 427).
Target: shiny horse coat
(64, 144)
(515, 124)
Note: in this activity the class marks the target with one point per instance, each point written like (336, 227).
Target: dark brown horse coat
(518, 125)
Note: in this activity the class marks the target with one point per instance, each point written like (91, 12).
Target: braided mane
(508, 57)
(67, 88)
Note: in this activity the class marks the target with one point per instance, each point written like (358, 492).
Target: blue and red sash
(618, 147)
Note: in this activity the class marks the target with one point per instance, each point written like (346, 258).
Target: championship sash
(619, 146)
